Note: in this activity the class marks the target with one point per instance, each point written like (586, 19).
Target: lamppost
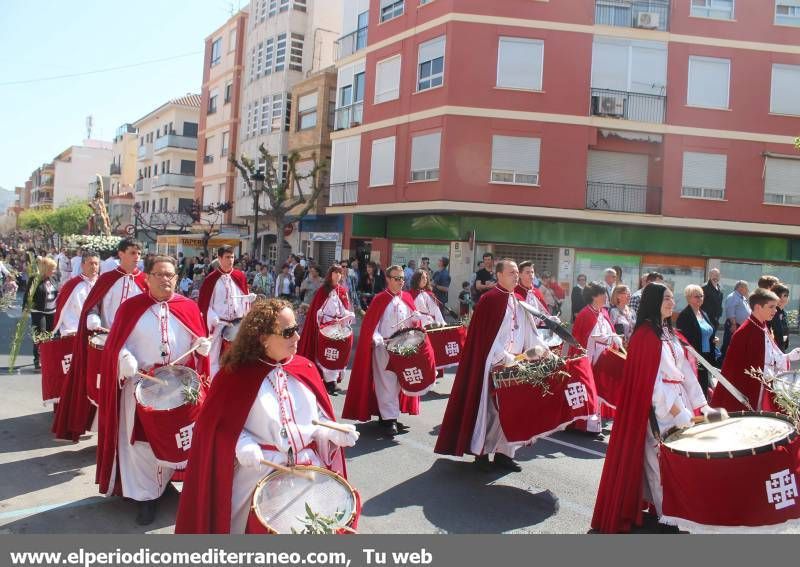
(137, 208)
(258, 186)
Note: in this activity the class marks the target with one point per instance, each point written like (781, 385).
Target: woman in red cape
(424, 299)
(246, 419)
(331, 299)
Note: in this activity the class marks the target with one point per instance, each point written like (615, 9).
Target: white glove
(684, 418)
(508, 359)
(203, 345)
(616, 341)
(250, 297)
(213, 320)
(377, 340)
(340, 438)
(794, 355)
(92, 322)
(250, 455)
(128, 367)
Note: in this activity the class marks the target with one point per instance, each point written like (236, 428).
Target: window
(287, 115)
(212, 102)
(265, 114)
(284, 6)
(228, 91)
(273, 7)
(248, 119)
(709, 80)
(785, 92)
(269, 55)
(391, 9)
(787, 12)
(187, 167)
(307, 111)
(782, 181)
(704, 175)
(277, 112)
(361, 31)
(431, 64)
(296, 53)
(425, 157)
(225, 141)
(381, 170)
(717, 9)
(519, 63)
(280, 52)
(251, 74)
(216, 51)
(259, 58)
(630, 66)
(300, 5)
(190, 129)
(515, 160)
(423, 2)
(387, 79)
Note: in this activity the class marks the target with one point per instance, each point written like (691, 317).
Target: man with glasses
(373, 390)
(150, 330)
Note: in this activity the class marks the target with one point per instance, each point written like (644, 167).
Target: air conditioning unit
(647, 20)
(612, 105)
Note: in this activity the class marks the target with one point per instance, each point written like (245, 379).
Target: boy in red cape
(372, 389)
(526, 291)
(244, 421)
(753, 347)
(75, 413)
(150, 330)
(73, 294)
(224, 299)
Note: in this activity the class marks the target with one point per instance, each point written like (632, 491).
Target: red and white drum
(744, 471)
(166, 410)
(411, 358)
(608, 376)
(334, 344)
(229, 333)
(56, 357)
(448, 343)
(526, 412)
(93, 364)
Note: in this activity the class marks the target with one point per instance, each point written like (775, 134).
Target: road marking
(576, 447)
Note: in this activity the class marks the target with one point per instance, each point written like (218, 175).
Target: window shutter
(431, 50)
(610, 64)
(520, 155)
(704, 175)
(345, 159)
(782, 177)
(382, 166)
(709, 80)
(519, 63)
(425, 152)
(307, 102)
(387, 79)
(617, 167)
(785, 95)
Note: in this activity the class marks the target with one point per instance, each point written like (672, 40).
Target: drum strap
(654, 424)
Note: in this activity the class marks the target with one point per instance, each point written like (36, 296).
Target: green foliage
(22, 324)
(317, 524)
(797, 143)
(71, 218)
(33, 219)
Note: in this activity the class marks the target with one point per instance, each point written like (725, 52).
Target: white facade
(75, 166)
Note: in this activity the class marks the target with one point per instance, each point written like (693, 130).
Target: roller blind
(519, 63)
(387, 79)
(709, 82)
(382, 165)
(345, 159)
(425, 151)
(520, 155)
(785, 95)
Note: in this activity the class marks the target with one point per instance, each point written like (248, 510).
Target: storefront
(192, 244)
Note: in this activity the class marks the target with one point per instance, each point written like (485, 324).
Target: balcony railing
(349, 116)
(144, 151)
(640, 107)
(173, 180)
(343, 193)
(644, 14)
(623, 198)
(114, 169)
(175, 141)
(350, 43)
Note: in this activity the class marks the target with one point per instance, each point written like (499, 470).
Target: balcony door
(617, 181)
(630, 66)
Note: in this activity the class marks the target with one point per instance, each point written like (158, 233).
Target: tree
(165, 222)
(288, 201)
(208, 219)
(71, 218)
(39, 221)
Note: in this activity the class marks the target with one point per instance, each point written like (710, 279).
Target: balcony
(639, 107)
(643, 14)
(173, 180)
(343, 193)
(349, 116)
(175, 141)
(623, 198)
(350, 43)
(114, 169)
(145, 151)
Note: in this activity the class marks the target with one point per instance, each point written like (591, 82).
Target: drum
(280, 501)
(56, 357)
(527, 411)
(739, 472)
(166, 412)
(93, 361)
(229, 333)
(552, 340)
(333, 346)
(411, 358)
(448, 343)
(608, 376)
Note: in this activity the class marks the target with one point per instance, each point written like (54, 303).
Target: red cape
(584, 323)
(746, 351)
(74, 413)
(619, 498)
(462, 407)
(127, 318)
(522, 294)
(361, 403)
(307, 347)
(207, 289)
(205, 503)
(63, 296)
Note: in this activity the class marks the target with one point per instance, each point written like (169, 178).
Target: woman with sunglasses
(424, 299)
(262, 406)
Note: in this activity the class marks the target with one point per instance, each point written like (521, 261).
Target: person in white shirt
(75, 262)
(70, 314)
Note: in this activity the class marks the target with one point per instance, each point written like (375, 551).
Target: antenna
(89, 124)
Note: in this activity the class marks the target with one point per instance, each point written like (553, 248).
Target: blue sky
(46, 38)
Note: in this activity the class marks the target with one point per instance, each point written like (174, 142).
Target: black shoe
(402, 426)
(36, 365)
(667, 529)
(389, 427)
(505, 462)
(483, 463)
(331, 387)
(146, 513)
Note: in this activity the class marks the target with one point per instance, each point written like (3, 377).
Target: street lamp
(258, 186)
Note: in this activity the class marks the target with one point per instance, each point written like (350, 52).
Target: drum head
(172, 395)
(550, 338)
(280, 499)
(739, 433)
(787, 383)
(336, 332)
(98, 341)
(230, 331)
(405, 338)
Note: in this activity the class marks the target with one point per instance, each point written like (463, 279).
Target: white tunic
(71, 312)
(143, 477)
(64, 268)
(263, 426)
(109, 265)
(333, 309)
(517, 334)
(227, 304)
(75, 263)
(600, 338)
(430, 311)
(102, 315)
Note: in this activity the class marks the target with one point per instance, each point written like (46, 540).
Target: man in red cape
(150, 330)
(361, 402)
(73, 293)
(753, 347)
(224, 300)
(75, 413)
(526, 291)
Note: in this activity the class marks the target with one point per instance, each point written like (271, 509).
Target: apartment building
(286, 39)
(649, 134)
(223, 68)
(122, 178)
(41, 186)
(77, 166)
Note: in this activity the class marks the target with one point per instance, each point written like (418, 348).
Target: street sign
(130, 229)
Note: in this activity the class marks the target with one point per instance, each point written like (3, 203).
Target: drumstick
(302, 474)
(152, 378)
(331, 425)
(715, 417)
(184, 355)
(403, 321)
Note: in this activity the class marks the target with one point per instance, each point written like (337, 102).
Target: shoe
(667, 529)
(483, 463)
(331, 387)
(36, 365)
(402, 426)
(389, 427)
(506, 463)
(146, 513)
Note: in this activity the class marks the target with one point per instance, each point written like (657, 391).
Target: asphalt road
(47, 486)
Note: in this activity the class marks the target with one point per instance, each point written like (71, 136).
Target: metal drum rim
(140, 387)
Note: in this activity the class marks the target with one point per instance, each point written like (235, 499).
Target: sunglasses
(398, 278)
(289, 332)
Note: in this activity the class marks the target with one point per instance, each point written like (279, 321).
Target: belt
(232, 320)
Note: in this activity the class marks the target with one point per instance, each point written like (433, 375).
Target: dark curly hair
(261, 320)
